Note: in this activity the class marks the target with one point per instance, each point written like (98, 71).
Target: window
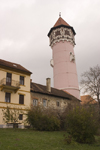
(20, 116)
(35, 102)
(44, 102)
(8, 78)
(21, 99)
(21, 80)
(7, 97)
(57, 104)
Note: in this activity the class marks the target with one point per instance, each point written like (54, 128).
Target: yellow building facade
(14, 88)
(19, 93)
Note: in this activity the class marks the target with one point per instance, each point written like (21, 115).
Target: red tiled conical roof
(60, 21)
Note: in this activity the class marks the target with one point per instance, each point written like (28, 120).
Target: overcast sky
(24, 25)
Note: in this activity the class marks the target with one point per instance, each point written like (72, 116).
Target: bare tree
(91, 82)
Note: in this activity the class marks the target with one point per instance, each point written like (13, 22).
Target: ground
(24, 139)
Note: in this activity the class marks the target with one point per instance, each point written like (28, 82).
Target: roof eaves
(51, 94)
(15, 69)
(59, 27)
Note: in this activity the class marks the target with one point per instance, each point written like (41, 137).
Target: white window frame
(44, 102)
(35, 102)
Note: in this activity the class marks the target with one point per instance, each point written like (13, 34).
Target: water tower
(62, 42)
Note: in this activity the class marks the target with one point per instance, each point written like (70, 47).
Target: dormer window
(14, 65)
(21, 80)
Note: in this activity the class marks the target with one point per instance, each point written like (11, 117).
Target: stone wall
(51, 101)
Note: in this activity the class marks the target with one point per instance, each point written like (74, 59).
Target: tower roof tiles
(60, 21)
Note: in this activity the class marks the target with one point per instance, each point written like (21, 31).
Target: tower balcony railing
(8, 84)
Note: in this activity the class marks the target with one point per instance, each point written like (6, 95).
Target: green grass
(23, 139)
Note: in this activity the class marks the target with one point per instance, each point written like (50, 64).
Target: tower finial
(59, 14)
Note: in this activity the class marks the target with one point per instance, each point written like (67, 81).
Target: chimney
(48, 84)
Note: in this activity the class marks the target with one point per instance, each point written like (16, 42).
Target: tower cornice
(61, 33)
(69, 27)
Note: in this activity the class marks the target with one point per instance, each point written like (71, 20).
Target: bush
(82, 124)
(43, 119)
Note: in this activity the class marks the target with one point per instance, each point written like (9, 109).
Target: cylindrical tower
(62, 42)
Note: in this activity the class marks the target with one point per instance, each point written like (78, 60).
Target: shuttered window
(21, 99)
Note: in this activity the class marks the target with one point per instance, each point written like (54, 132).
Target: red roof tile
(60, 21)
(87, 99)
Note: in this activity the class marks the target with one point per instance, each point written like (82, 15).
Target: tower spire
(59, 14)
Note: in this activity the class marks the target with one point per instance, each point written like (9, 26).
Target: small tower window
(67, 32)
(57, 33)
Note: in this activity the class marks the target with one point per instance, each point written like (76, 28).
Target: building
(50, 97)
(14, 87)
(87, 99)
(18, 91)
(62, 42)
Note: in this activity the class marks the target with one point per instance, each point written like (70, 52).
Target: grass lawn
(23, 139)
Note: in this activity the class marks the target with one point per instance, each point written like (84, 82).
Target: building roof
(13, 66)
(42, 89)
(61, 23)
(87, 99)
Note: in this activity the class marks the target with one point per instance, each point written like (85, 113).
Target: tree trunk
(99, 108)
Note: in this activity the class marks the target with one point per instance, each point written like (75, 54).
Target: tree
(91, 82)
(82, 124)
(11, 116)
(43, 119)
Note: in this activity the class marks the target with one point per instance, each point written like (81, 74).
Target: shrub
(43, 119)
(82, 124)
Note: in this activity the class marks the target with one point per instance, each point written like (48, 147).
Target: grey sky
(24, 25)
